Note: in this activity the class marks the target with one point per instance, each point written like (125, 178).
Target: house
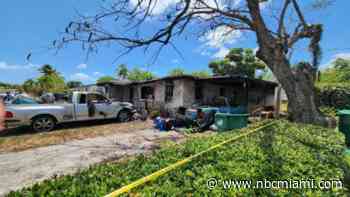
(183, 91)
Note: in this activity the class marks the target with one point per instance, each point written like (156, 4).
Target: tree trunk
(299, 86)
(303, 105)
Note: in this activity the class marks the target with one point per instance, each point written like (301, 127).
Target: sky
(31, 26)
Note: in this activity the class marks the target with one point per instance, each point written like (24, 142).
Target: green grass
(282, 152)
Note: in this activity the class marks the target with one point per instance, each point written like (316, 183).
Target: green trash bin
(344, 124)
(226, 121)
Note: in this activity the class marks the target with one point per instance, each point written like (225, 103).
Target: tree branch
(299, 13)
(282, 16)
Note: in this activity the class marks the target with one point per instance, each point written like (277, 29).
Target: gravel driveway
(21, 169)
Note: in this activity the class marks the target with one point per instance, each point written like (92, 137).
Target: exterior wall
(91, 88)
(212, 90)
(260, 96)
(120, 93)
(188, 92)
(178, 94)
(257, 96)
(184, 94)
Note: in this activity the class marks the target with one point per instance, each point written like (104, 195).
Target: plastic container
(344, 124)
(233, 110)
(159, 123)
(191, 114)
(226, 121)
(210, 109)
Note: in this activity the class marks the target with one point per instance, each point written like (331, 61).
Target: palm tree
(50, 80)
(48, 70)
(31, 86)
(122, 71)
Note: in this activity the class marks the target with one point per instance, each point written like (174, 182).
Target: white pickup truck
(79, 106)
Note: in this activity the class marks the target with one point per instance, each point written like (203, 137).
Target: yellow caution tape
(163, 171)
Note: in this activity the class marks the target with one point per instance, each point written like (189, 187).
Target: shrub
(329, 111)
(335, 95)
(282, 152)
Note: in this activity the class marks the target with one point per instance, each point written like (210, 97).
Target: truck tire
(43, 123)
(124, 116)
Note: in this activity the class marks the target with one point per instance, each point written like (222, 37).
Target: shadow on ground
(25, 130)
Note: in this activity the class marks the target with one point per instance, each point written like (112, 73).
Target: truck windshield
(23, 101)
(97, 98)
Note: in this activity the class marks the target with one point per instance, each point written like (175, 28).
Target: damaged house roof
(215, 79)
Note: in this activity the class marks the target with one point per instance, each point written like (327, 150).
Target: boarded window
(198, 92)
(147, 92)
(222, 91)
(131, 94)
(169, 91)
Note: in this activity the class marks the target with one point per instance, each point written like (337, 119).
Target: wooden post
(246, 84)
(278, 91)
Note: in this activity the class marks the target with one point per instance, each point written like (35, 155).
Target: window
(169, 91)
(131, 94)
(98, 98)
(222, 91)
(24, 100)
(146, 92)
(82, 99)
(198, 92)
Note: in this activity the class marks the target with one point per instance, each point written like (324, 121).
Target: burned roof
(119, 82)
(238, 79)
(217, 79)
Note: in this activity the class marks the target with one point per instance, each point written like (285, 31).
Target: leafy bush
(335, 95)
(282, 152)
(329, 111)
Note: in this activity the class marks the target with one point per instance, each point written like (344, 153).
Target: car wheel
(43, 124)
(124, 116)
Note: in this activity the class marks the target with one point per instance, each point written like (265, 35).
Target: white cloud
(334, 57)
(255, 50)
(265, 4)
(221, 36)
(6, 66)
(219, 39)
(82, 66)
(342, 55)
(97, 74)
(158, 6)
(81, 77)
(221, 53)
(175, 61)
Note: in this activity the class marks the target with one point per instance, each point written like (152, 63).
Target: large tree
(201, 74)
(237, 62)
(74, 84)
(51, 80)
(276, 32)
(122, 71)
(177, 72)
(105, 79)
(137, 74)
(338, 72)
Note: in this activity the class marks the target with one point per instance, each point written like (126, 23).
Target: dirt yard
(74, 149)
(23, 138)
